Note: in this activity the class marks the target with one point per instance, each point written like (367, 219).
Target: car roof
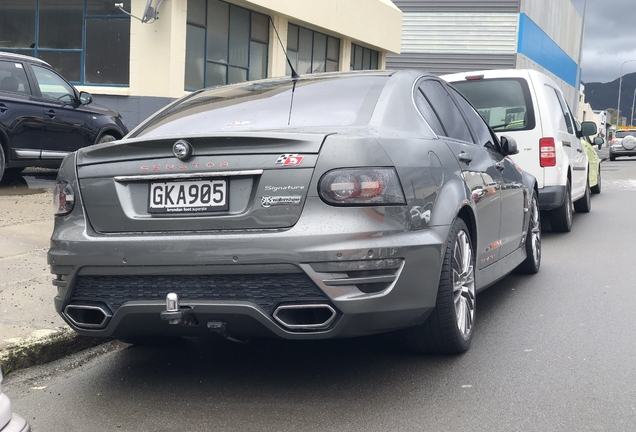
(21, 57)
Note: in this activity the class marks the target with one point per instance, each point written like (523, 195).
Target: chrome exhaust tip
(88, 316)
(305, 316)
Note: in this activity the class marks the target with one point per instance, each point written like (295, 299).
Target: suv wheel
(584, 204)
(1, 162)
(561, 218)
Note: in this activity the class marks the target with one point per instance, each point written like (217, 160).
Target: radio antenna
(294, 75)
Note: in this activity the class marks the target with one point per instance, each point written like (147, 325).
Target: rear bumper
(621, 152)
(551, 197)
(314, 250)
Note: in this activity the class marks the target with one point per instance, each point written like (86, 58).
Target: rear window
(278, 104)
(623, 134)
(504, 103)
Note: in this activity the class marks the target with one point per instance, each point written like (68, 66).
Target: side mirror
(508, 145)
(85, 98)
(588, 128)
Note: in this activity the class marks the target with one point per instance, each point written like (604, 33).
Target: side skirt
(496, 271)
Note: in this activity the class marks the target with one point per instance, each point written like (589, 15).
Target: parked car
(331, 205)
(594, 174)
(530, 107)
(43, 117)
(10, 422)
(623, 144)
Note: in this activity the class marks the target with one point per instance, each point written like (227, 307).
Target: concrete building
(139, 59)
(463, 35)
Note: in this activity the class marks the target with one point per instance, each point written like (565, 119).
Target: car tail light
(547, 152)
(474, 77)
(63, 198)
(359, 186)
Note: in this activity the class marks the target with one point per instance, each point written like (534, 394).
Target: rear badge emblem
(268, 201)
(182, 149)
(289, 160)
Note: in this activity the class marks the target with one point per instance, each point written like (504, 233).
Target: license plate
(191, 196)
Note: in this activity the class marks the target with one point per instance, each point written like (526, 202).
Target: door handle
(50, 113)
(566, 144)
(579, 150)
(500, 165)
(465, 157)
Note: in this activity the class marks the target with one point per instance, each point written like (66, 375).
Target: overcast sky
(610, 38)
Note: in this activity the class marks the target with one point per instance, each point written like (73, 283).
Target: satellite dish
(150, 13)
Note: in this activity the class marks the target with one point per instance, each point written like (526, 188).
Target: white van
(528, 106)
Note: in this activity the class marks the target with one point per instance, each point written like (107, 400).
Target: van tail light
(547, 152)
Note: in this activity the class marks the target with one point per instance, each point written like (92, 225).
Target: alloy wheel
(463, 284)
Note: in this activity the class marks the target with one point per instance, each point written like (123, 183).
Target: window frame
(36, 50)
(365, 51)
(228, 64)
(293, 52)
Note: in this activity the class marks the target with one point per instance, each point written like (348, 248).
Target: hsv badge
(289, 160)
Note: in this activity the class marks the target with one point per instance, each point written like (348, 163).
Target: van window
(504, 103)
(565, 110)
(481, 131)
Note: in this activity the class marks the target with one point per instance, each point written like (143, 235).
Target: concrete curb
(44, 346)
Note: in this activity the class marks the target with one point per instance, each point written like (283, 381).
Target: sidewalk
(31, 332)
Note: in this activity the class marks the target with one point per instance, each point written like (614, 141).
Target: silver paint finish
(111, 233)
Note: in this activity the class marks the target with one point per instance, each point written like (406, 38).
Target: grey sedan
(330, 205)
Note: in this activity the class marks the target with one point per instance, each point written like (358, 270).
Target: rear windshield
(278, 104)
(623, 134)
(504, 103)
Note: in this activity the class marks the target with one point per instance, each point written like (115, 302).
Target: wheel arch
(468, 216)
(110, 131)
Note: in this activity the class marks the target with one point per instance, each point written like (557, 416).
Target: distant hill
(605, 95)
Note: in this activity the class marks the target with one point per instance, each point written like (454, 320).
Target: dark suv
(43, 117)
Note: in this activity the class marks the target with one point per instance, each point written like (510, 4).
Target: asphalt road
(552, 352)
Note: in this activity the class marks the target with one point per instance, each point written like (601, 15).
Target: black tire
(449, 328)
(532, 263)
(105, 138)
(150, 340)
(2, 162)
(584, 204)
(612, 157)
(561, 218)
(597, 188)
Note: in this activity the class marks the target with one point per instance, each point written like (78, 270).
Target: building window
(311, 52)
(225, 44)
(363, 58)
(87, 41)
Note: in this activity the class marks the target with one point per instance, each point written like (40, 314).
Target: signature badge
(289, 160)
(268, 201)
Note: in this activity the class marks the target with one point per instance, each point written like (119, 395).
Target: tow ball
(175, 314)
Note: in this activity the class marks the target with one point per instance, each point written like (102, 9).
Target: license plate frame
(178, 196)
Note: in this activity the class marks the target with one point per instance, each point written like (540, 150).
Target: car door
(480, 175)
(67, 122)
(21, 114)
(513, 199)
(573, 148)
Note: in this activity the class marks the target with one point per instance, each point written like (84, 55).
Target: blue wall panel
(537, 46)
